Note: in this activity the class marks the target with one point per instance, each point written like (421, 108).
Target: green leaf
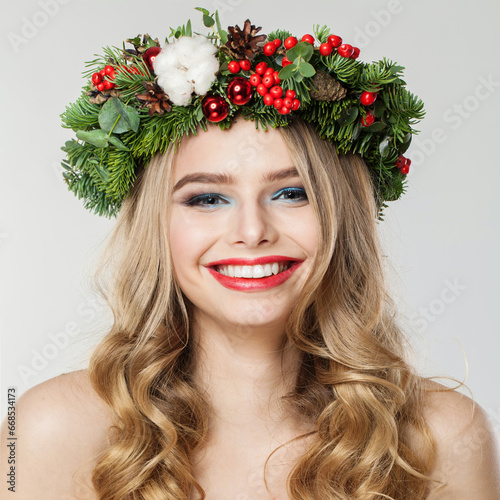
(208, 21)
(189, 31)
(117, 143)
(379, 108)
(307, 69)
(348, 116)
(375, 127)
(118, 118)
(287, 71)
(384, 147)
(97, 137)
(223, 36)
(201, 9)
(217, 20)
(302, 49)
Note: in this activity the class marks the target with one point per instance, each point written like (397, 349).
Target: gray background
(441, 239)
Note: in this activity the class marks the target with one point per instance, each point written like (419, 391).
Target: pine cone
(244, 44)
(154, 99)
(326, 88)
(96, 97)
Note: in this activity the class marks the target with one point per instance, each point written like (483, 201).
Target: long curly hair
(354, 386)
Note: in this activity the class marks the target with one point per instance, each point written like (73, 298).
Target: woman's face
(243, 235)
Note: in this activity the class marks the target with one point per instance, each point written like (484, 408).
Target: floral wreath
(139, 100)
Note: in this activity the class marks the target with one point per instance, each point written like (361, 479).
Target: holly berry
(334, 41)
(325, 49)
(109, 70)
(278, 103)
(368, 119)
(284, 110)
(368, 98)
(295, 104)
(401, 161)
(245, 64)
(261, 68)
(255, 79)
(269, 71)
(102, 72)
(288, 102)
(356, 52)
(261, 89)
(268, 81)
(285, 62)
(291, 94)
(290, 42)
(346, 50)
(233, 66)
(308, 39)
(96, 79)
(276, 91)
(405, 169)
(108, 85)
(100, 87)
(276, 75)
(277, 42)
(268, 99)
(269, 49)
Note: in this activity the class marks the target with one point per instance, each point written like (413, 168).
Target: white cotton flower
(186, 66)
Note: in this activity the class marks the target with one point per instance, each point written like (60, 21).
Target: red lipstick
(253, 284)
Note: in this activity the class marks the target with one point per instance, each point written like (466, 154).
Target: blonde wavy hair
(355, 387)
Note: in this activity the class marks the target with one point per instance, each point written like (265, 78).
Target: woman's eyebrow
(224, 178)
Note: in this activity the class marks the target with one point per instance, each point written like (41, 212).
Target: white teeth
(258, 271)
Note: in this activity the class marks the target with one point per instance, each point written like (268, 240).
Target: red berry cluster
(102, 79)
(236, 66)
(326, 49)
(403, 164)
(267, 81)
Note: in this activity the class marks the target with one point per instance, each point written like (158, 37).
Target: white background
(441, 238)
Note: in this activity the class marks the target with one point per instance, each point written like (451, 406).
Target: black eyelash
(195, 200)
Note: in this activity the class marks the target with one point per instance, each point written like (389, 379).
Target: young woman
(254, 353)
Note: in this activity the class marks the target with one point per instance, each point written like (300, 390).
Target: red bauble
(245, 64)
(215, 108)
(325, 49)
(308, 39)
(346, 50)
(233, 66)
(150, 55)
(368, 98)
(290, 42)
(269, 49)
(334, 41)
(368, 119)
(239, 91)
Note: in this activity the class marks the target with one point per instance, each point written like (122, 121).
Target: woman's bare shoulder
(467, 460)
(61, 428)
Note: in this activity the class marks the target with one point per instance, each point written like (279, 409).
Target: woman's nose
(252, 225)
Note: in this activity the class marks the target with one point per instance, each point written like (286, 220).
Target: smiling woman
(255, 353)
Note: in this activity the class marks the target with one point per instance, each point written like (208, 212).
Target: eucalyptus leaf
(97, 137)
(117, 117)
(117, 143)
(223, 36)
(307, 69)
(384, 147)
(208, 21)
(348, 115)
(287, 71)
(201, 9)
(302, 49)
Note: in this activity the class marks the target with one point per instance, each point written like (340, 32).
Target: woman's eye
(209, 199)
(291, 194)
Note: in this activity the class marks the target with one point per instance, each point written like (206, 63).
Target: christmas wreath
(138, 100)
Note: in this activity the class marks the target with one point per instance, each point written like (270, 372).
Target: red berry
(284, 110)
(295, 105)
(261, 89)
(407, 162)
(269, 71)
(291, 94)
(233, 66)
(268, 81)
(277, 42)
(368, 119)
(405, 169)
(276, 75)
(346, 50)
(100, 87)
(308, 39)
(368, 98)
(334, 41)
(96, 79)
(261, 68)
(285, 61)
(109, 70)
(290, 42)
(255, 79)
(268, 100)
(108, 85)
(269, 49)
(102, 72)
(356, 52)
(276, 91)
(325, 49)
(288, 102)
(401, 161)
(245, 64)
(278, 103)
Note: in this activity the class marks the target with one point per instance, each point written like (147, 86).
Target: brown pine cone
(244, 44)
(326, 88)
(154, 99)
